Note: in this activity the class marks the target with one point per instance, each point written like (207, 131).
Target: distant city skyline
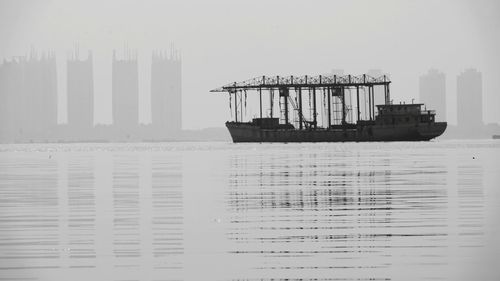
(225, 41)
(166, 77)
(30, 107)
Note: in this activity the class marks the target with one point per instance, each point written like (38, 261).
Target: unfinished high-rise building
(80, 89)
(470, 99)
(166, 93)
(41, 84)
(12, 99)
(28, 93)
(432, 92)
(125, 93)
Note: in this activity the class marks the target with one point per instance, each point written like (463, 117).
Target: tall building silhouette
(125, 93)
(80, 89)
(12, 100)
(28, 97)
(166, 93)
(41, 91)
(470, 100)
(432, 92)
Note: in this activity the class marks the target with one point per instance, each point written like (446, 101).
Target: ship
(346, 105)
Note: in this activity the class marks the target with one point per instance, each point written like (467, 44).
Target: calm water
(221, 211)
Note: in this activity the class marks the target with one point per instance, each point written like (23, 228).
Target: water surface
(223, 211)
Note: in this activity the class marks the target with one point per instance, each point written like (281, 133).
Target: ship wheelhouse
(392, 114)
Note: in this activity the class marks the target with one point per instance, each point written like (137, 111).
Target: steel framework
(333, 88)
(304, 81)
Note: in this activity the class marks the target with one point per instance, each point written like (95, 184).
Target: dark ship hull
(249, 132)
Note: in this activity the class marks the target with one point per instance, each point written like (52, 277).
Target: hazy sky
(224, 41)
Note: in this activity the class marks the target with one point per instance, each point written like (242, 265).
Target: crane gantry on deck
(333, 88)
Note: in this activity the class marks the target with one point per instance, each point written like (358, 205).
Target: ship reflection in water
(217, 211)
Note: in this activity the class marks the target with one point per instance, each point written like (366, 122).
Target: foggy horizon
(241, 140)
(223, 41)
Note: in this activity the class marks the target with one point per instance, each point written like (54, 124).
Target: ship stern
(432, 131)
